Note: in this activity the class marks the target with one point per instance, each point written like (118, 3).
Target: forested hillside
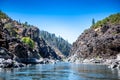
(57, 42)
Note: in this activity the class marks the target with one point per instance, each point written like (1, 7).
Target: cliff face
(100, 42)
(13, 46)
(41, 46)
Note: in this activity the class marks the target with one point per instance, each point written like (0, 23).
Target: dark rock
(11, 46)
(32, 32)
(3, 37)
(115, 64)
(46, 51)
(21, 65)
(5, 54)
(20, 51)
(41, 46)
(23, 52)
(29, 60)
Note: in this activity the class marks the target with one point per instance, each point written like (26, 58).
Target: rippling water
(61, 71)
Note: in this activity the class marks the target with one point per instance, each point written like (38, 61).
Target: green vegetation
(3, 15)
(10, 27)
(112, 19)
(26, 25)
(57, 42)
(28, 41)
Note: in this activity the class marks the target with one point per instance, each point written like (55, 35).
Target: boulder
(4, 53)
(9, 63)
(118, 57)
(115, 65)
(23, 52)
(29, 60)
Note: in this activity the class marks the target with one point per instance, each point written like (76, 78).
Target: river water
(61, 71)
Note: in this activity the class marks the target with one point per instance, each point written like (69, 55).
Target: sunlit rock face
(103, 42)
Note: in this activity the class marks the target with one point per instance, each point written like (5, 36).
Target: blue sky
(67, 18)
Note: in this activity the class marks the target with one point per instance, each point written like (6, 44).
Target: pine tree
(93, 21)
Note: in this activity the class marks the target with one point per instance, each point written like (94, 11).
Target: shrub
(3, 15)
(112, 19)
(28, 41)
(11, 29)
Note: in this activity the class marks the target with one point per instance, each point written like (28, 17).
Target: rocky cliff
(41, 46)
(102, 40)
(20, 42)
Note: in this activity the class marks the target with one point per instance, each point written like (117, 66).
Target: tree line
(63, 45)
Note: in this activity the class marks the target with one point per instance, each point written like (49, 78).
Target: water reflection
(116, 72)
(61, 71)
(94, 72)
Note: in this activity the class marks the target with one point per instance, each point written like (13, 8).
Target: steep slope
(57, 42)
(102, 40)
(21, 41)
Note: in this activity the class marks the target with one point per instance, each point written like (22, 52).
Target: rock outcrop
(9, 63)
(13, 48)
(40, 45)
(32, 32)
(101, 42)
(46, 51)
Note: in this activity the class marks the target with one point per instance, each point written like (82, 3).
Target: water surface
(61, 71)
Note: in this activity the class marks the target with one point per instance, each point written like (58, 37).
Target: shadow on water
(61, 71)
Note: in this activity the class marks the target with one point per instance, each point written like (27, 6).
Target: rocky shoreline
(9, 63)
(99, 44)
(21, 45)
(112, 63)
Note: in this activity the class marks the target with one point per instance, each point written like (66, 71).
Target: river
(61, 71)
